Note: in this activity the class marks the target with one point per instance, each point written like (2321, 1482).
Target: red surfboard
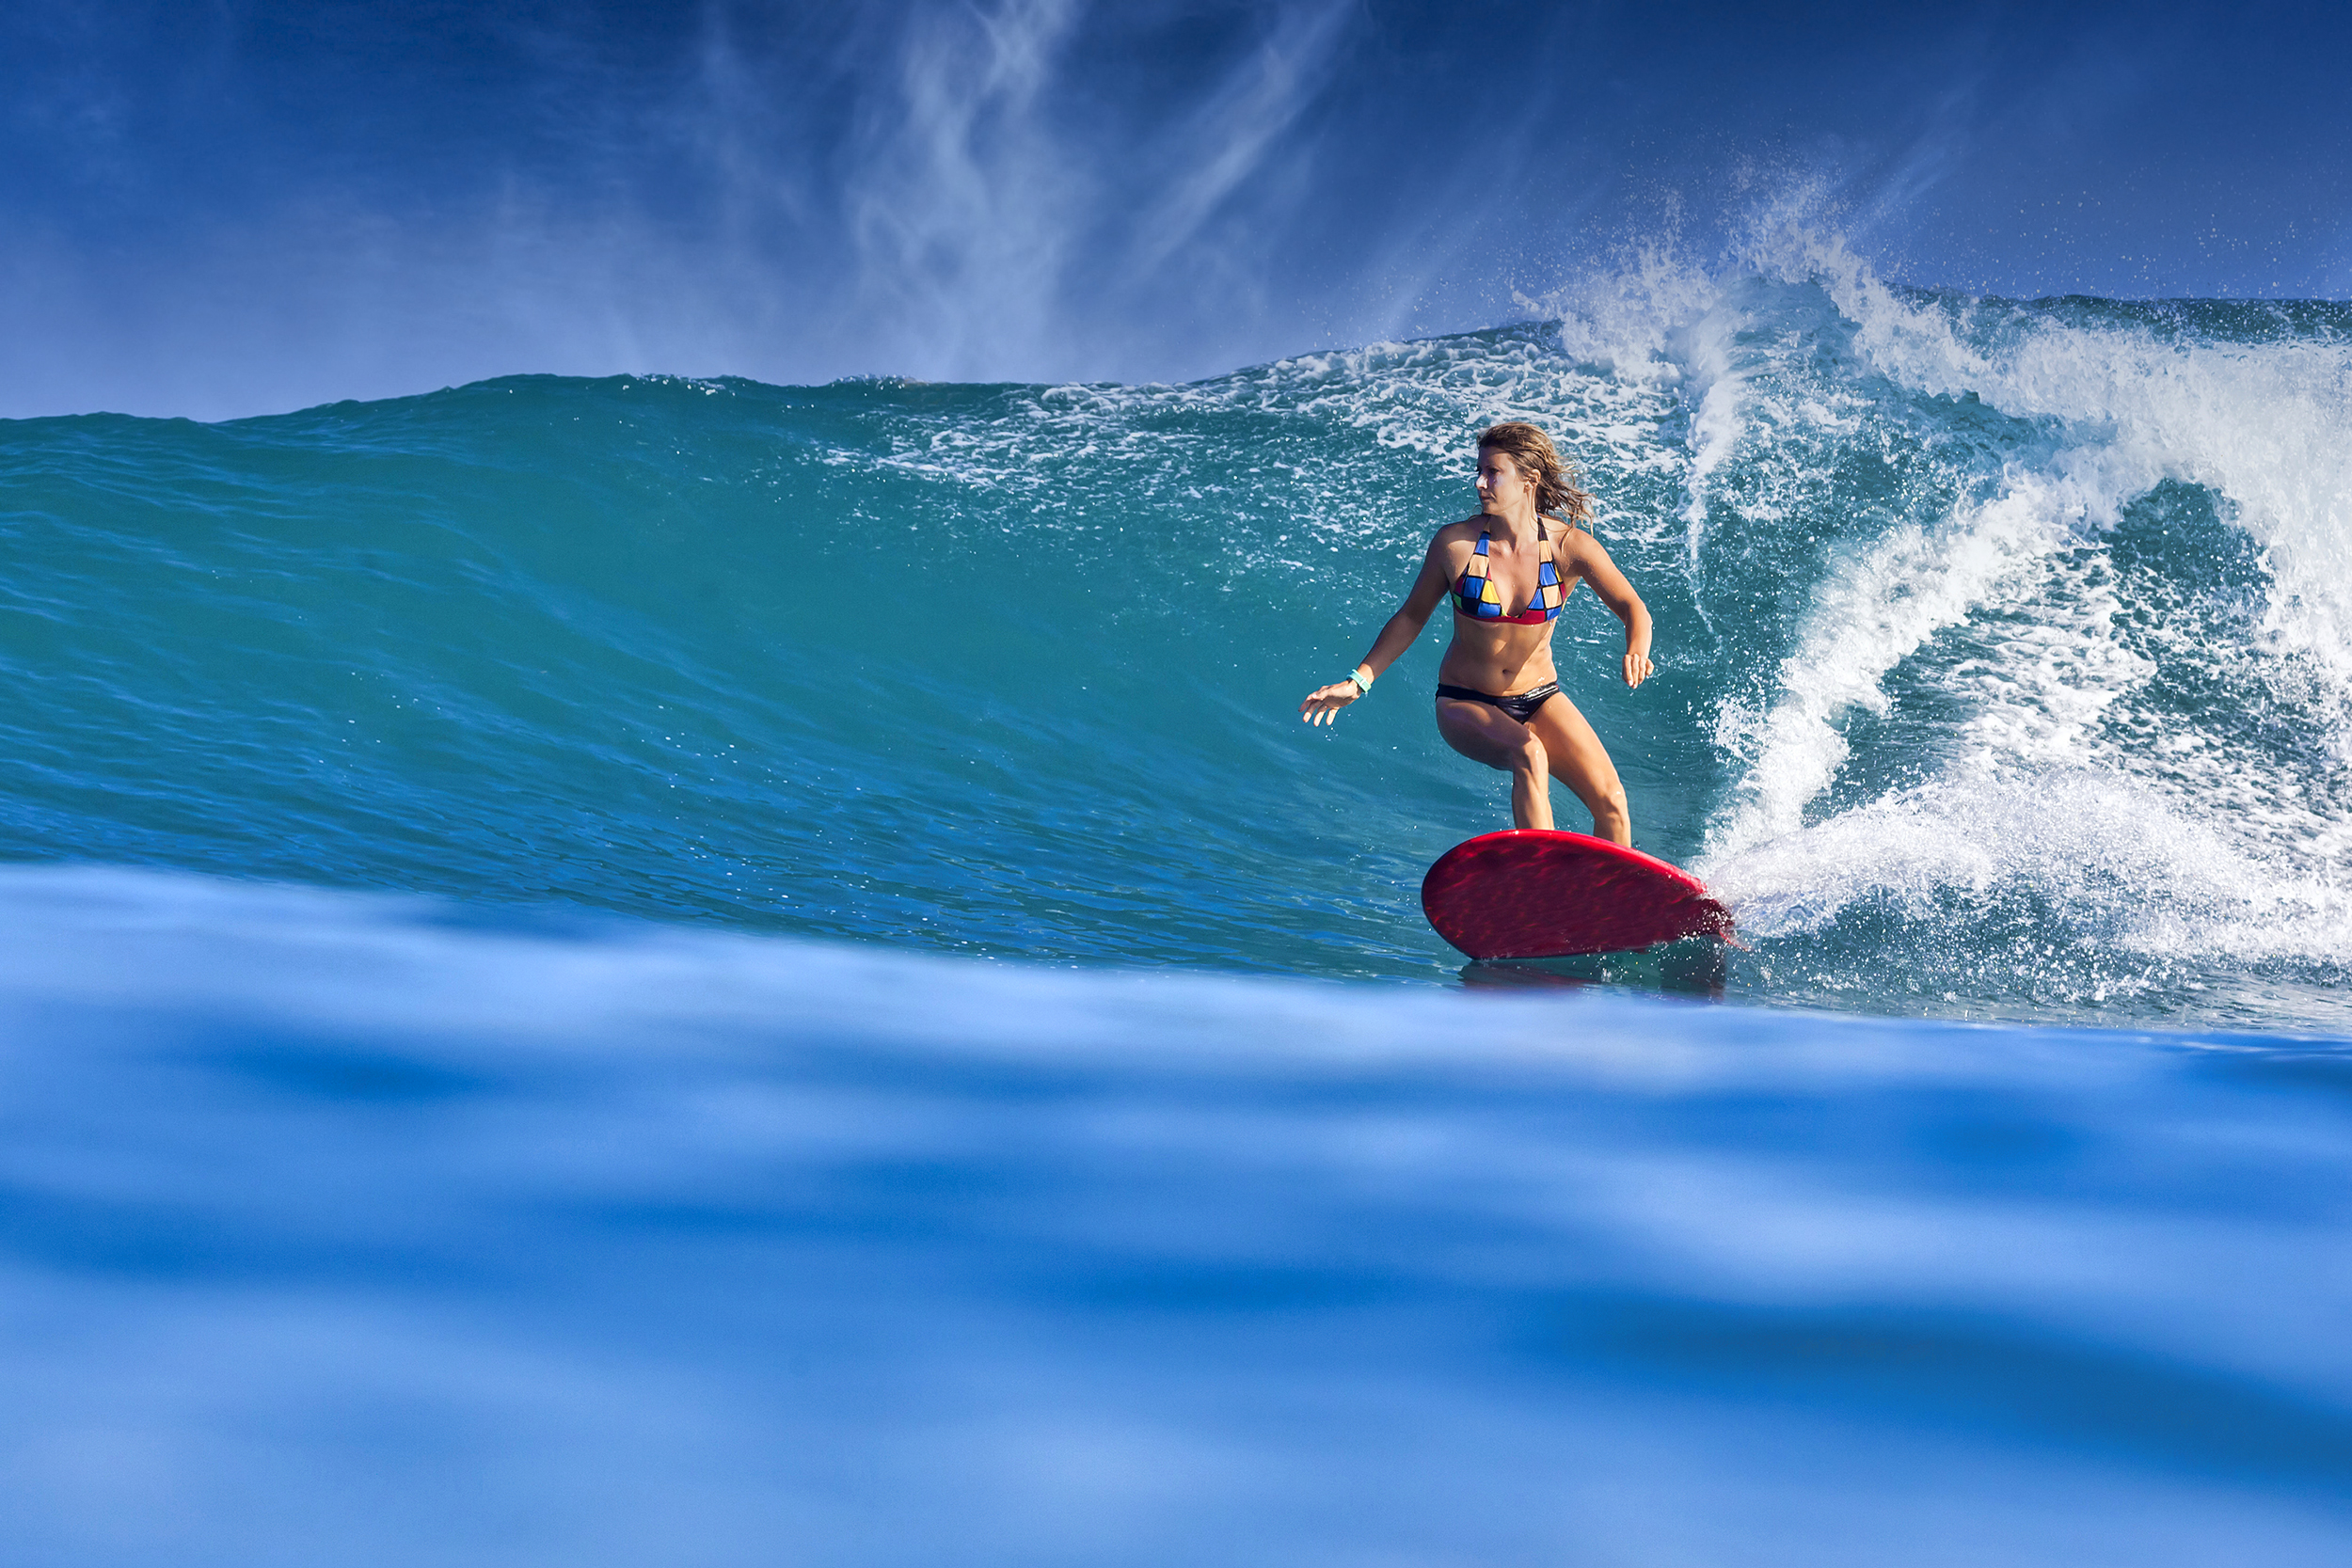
(1534, 893)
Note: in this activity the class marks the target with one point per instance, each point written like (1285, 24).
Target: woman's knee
(1602, 796)
(1528, 755)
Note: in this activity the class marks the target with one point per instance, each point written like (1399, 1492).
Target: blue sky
(226, 208)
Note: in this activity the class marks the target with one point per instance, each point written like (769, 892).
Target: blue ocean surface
(692, 971)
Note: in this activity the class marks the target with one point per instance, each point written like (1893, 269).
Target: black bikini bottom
(1521, 708)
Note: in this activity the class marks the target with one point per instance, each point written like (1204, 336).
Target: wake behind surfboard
(1537, 892)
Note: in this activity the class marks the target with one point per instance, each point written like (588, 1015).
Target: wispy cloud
(964, 204)
(1231, 135)
(204, 210)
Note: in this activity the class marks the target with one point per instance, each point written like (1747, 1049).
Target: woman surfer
(1499, 697)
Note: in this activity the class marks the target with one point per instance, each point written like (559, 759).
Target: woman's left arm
(1587, 556)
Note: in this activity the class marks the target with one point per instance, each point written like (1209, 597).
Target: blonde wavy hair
(1557, 489)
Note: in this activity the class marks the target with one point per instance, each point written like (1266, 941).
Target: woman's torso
(1502, 655)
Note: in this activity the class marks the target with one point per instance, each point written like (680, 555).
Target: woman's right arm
(1324, 704)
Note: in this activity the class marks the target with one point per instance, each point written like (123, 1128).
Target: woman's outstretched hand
(1638, 669)
(1325, 702)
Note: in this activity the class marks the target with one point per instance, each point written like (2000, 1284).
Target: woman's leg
(1578, 761)
(1490, 736)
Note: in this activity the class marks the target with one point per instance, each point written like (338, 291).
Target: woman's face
(1501, 487)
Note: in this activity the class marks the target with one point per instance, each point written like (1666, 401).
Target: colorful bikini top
(1474, 592)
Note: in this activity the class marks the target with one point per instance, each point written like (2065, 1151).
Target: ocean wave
(1013, 669)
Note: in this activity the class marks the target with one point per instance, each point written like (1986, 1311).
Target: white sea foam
(2262, 423)
(2015, 584)
(2120, 862)
(1873, 612)
(2050, 767)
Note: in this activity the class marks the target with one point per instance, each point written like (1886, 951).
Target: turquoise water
(497, 875)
